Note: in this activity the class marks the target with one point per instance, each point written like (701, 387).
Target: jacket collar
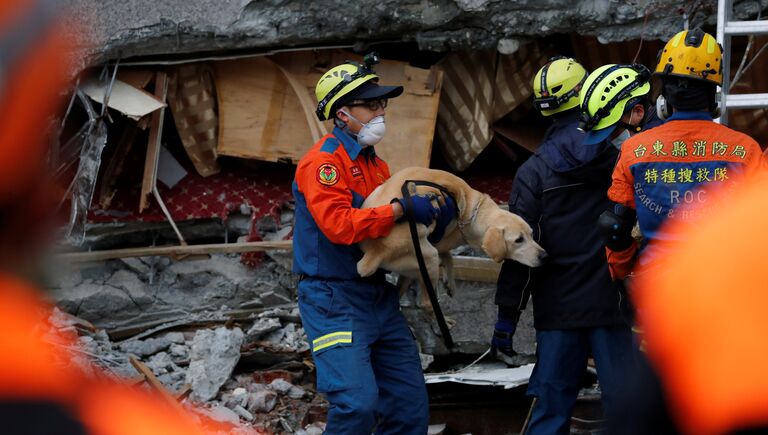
(684, 115)
(351, 146)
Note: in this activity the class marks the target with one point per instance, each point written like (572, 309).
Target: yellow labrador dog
(481, 223)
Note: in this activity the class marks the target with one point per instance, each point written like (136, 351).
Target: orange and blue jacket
(667, 173)
(332, 181)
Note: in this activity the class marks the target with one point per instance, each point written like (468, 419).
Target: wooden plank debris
(126, 99)
(266, 107)
(217, 248)
(466, 268)
(136, 77)
(156, 384)
(153, 145)
(478, 269)
(260, 117)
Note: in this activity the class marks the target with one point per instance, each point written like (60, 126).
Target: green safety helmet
(557, 84)
(350, 81)
(607, 94)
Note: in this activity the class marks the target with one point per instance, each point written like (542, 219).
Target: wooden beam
(156, 384)
(465, 268)
(475, 269)
(224, 248)
(153, 146)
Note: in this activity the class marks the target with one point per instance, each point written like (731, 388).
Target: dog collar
(471, 219)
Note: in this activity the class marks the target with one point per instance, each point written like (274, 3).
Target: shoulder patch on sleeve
(327, 174)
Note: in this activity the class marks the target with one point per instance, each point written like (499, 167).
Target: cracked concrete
(120, 292)
(128, 28)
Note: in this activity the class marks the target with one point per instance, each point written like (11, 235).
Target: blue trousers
(366, 357)
(561, 360)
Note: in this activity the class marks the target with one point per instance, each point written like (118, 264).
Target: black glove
(506, 324)
(424, 209)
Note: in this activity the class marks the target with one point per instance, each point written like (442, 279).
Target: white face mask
(618, 140)
(372, 132)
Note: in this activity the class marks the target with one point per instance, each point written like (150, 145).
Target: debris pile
(261, 379)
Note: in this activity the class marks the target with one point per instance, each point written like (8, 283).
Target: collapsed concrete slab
(209, 25)
(213, 356)
(116, 293)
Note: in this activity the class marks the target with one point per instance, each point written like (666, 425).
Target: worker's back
(667, 172)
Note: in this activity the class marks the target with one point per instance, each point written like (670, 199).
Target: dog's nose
(543, 256)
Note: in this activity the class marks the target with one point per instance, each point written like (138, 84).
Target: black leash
(420, 258)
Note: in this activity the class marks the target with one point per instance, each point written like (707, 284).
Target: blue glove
(424, 209)
(504, 331)
(448, 212)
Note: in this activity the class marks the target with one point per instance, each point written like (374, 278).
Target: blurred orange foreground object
(32, 79)
(705, 315)
(31, 371)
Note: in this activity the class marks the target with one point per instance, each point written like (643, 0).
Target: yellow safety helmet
(606, 94)
(342, 80)
(692, 54)
(557, 84)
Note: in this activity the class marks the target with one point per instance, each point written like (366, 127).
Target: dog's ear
(494, 244)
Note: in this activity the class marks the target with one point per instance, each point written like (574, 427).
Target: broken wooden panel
(481, 87)
(266, 107)
(410, 118)
(260, 117)
(193, 105)
(126, 99)
(136, 77)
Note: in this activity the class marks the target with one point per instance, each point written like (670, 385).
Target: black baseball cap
(370, 91)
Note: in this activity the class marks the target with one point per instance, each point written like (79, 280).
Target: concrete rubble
(204, 26)
(269, 399)
(122, 292)
(213, 356)
(254, 370)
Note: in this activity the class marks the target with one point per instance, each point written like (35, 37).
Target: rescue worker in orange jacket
(664, 173)
(38, 394)
(366, 358)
